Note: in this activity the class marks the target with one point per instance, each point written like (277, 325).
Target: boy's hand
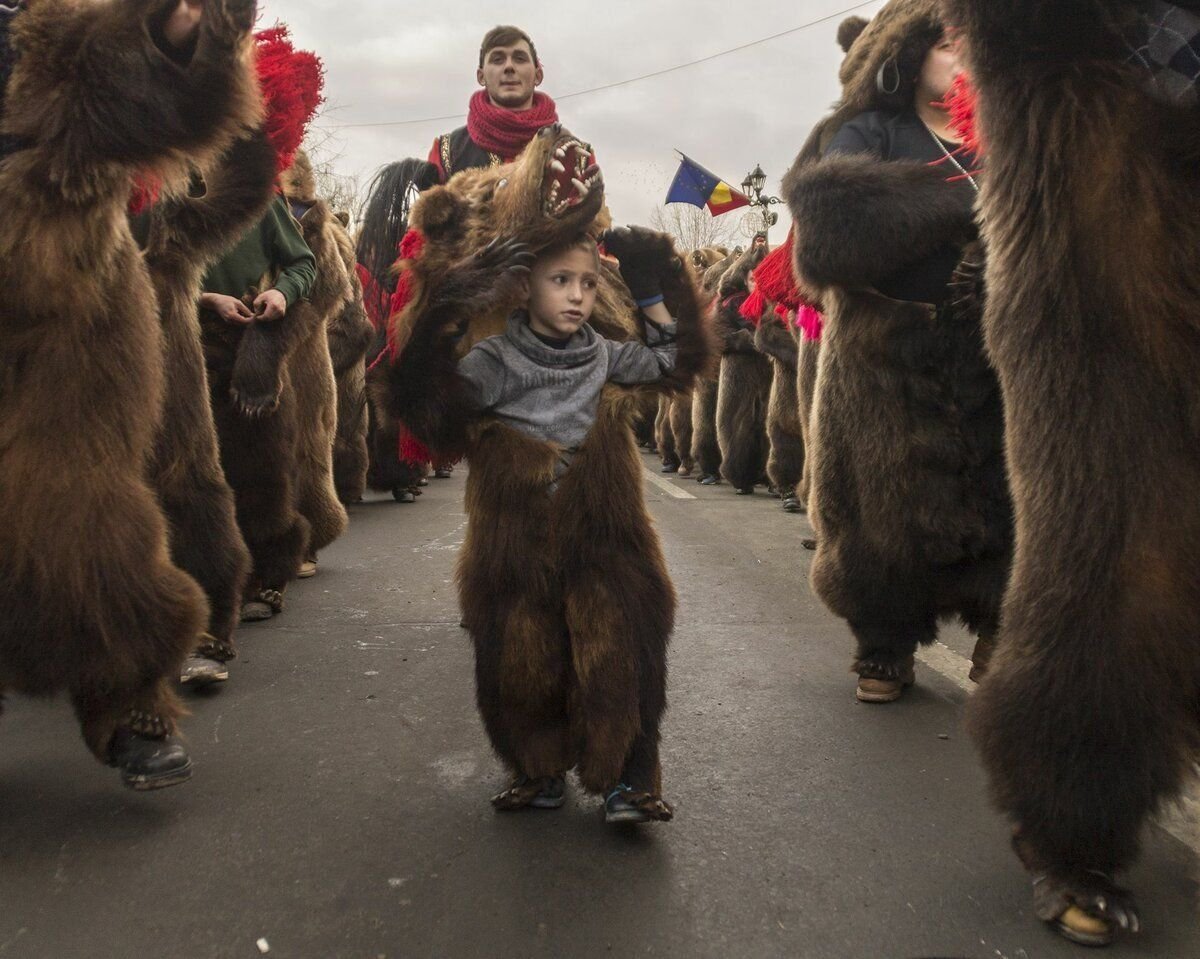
(270, 305)
(638, 270)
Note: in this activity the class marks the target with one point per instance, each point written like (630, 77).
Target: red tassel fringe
(291, 82)
(775, 279)
(753, 308)
(962, 103)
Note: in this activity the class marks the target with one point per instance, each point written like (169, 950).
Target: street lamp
(752, 187)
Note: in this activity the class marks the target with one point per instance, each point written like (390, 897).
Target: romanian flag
(695, 185)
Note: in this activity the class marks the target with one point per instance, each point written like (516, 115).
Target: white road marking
(1181, 821)
(666, 485)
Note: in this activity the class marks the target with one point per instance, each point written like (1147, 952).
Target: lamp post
(753, 186)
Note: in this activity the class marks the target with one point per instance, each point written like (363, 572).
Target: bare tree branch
(694, 227)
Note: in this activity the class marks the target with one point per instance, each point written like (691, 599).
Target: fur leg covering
(706, 451)
(511, 599)
(1087, 721)
(806, 388)
(742, 418)
(681, 428)
(92, 602)
(664, 435)
(785, 464)
(315, 392)
(620, 607)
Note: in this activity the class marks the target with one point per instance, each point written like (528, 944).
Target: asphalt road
(339, 805)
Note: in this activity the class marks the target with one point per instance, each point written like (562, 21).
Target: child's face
(562, 292)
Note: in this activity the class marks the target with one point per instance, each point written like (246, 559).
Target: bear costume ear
(849, 31)
(439, 214)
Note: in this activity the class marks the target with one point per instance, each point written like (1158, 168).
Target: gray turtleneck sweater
(553, 394)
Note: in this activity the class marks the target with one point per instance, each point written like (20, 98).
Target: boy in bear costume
(562, 581)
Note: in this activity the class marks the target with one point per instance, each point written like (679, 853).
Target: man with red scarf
(506, 114)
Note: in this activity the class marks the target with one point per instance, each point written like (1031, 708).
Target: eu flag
(695, 185)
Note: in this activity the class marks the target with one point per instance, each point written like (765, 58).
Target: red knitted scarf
(505, 132)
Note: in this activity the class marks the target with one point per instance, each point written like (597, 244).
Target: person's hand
(270, 305)
(182, 24)
(228, 308)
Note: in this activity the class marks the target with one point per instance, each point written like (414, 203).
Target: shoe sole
(878, 697)
(1080, 938)
(627, 816)
(548, 802)
(207, 679)
(143, 784)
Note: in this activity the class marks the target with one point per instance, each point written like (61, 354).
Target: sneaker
(709, 480)
(443, 472)
(527, 793)
(745, 491)
(308, 569)
(623, 805)
(670, 468)
(402, 494)
(146, 763)
(200, 671)
(792, 505)
(881, 688)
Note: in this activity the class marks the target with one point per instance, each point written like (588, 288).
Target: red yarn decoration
(413, 245)
(291, 81)
(145, 193)
(412, 451)
(781, 312)
(753, 308)
(775, 279)
(962, 103)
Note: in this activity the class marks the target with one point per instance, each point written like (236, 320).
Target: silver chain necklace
(950, 156)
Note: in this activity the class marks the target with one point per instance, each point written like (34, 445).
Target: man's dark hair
(505, 36)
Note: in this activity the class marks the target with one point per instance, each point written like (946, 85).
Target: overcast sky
(392, 60)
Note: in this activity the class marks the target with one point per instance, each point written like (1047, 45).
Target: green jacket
(273, 248)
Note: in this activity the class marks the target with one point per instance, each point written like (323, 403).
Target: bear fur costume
(1088, 720)
(350, 337)
(673, 429)
(187, 233)
(673, 433)
(909, 499)
(92, 603)
(310, 367)
(566, 596)
(744, 384)
(778, 339)
(706, 451)
(257, 415)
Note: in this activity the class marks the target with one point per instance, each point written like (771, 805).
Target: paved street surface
(339, 805)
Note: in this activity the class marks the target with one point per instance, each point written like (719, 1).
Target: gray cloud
(387, 61)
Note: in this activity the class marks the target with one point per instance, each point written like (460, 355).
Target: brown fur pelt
(908, 500)
(186, 234)
(254, 403)
(706, 450)
(808, 361)
(785, 436)
(311, 367)
(673, 432)
(565, 594)
(1088, 721)
(744, 383)
(92, 602)
(350, 336)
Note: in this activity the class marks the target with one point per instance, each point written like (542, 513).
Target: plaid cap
(1167, 44)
